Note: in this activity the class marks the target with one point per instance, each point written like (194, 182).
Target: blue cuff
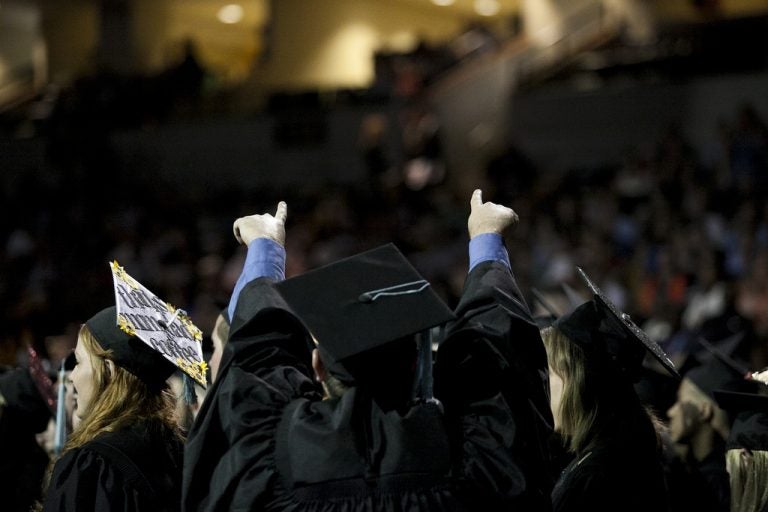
(266, 258)
(487, 247)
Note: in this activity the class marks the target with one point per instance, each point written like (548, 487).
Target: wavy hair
(120, 399)
(748, 475)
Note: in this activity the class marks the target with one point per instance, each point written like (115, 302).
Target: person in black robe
(268, 437)
(595, 354)
(747, 448)
(126, 452)
(23, 413)
(699, 428)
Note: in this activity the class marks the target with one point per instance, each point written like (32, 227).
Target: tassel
(190, 397)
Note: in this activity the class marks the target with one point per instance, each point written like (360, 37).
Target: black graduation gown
(22, 461)
(619, 471)
(496, 349)
(136, 469)
(264, 439)
(703, 486)
(716, 481)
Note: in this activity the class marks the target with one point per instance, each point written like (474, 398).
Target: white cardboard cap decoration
(163, 327)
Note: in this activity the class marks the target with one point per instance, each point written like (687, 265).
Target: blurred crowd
(677, 240)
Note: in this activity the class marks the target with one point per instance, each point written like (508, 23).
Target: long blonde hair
(577, 412)
(596, 399)
(749, 480)
(120, 399)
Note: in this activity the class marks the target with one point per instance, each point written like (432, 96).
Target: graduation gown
(23, 461)
(136, 469)
(621, 470)
(264, 439)
(496, 349)
(703, 486)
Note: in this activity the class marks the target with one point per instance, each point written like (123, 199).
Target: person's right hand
(488, 217)
(252, 227)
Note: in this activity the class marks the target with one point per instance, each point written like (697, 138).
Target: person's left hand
(249, 228)
(488, 217)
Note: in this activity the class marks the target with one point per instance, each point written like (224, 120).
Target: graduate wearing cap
(595, 354)
(494, 351)
(126, 453)
(699, 427)
(313, 406)
(747, 449)
(27, 402)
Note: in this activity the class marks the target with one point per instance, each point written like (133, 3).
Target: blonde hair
(577, 411)
(719, 422)
(749, 480)
(593, 398)
(120, 399)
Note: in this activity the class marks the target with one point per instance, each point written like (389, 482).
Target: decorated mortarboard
(361, 303)
(148, 337)
(750, 424)
(599, 324)
(719, 369)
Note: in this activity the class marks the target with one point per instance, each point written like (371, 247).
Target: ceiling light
(487, 7)
(230, 14)
(443, 2)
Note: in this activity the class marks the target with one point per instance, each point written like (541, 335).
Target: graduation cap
(148, 337)
(599, 326)
(750, 426)
(573, 298)
(719, 369)
(544, 321)
(362, 305)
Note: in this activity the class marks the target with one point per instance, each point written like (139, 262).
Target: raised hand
(488, 217)
(761, 376)
(249, 228)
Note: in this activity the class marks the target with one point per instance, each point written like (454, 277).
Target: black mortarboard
(128, 351)
(573, 298)
(719, 370)
(544, 320)
(750, 426)
(598, 325)
(361, 303)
